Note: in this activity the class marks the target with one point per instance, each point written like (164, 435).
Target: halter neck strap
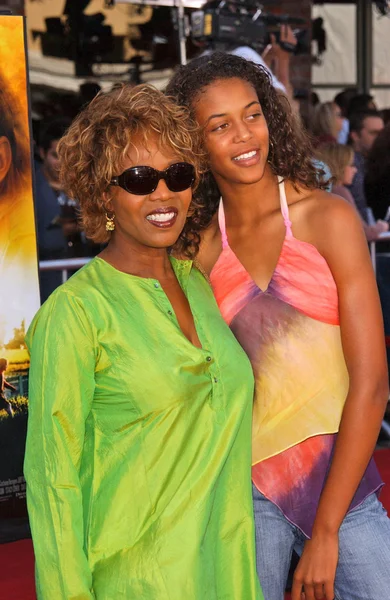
(222, 224)
(284, 208)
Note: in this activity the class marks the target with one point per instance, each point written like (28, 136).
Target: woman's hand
(316, 571)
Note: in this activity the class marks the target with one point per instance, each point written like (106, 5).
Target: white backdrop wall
(339, 61)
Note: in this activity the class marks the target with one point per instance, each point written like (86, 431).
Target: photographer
(275, 58)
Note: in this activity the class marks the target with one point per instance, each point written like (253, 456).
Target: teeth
(161, 217)
(245, 156)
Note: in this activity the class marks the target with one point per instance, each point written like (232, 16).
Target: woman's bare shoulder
(317, 214)
(319, 204)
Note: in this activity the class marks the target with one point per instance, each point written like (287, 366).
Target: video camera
(225, 23)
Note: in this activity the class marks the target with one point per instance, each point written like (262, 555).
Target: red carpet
(17, 576)
(17, 560)
(382, 459)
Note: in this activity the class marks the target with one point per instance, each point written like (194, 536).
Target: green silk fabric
(138, 457)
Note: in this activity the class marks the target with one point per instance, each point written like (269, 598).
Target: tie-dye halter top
(291, 334)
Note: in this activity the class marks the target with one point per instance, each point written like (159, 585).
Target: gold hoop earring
(110, 225)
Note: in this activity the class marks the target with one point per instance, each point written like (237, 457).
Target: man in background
(343, 99)
(361, 103)
(59, 233)
(364, 128)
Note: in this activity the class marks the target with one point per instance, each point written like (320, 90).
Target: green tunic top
(138, 458)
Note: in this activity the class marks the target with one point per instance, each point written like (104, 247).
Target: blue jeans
(363, 571)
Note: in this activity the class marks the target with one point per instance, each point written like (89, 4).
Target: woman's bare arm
(340, 238)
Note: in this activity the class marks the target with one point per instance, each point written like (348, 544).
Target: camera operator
(275, 58)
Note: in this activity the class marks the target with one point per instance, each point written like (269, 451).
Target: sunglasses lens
(140, 180)
(180, 177)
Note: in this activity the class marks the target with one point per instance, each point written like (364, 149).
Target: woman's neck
(139, 260)
(247, 203)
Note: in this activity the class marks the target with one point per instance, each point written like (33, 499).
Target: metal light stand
(180, 25)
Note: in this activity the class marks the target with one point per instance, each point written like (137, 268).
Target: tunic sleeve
(61, 388)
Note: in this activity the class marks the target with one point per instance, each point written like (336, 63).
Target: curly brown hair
(95, 147)
(290, 152)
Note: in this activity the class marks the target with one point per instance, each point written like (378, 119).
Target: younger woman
(292, 276)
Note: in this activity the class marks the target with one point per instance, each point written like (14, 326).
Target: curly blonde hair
(96, 145)
(337, 157)
(324, 120)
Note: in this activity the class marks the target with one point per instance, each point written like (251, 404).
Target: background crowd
(352, 137)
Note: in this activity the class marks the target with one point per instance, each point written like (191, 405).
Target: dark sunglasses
(144, 180)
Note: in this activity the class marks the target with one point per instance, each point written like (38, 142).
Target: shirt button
(170, 312)
(215, 380)
(156, 285)
(208, 358)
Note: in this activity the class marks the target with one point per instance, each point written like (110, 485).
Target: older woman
(138, 457)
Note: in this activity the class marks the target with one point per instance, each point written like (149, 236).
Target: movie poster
(19, 291)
